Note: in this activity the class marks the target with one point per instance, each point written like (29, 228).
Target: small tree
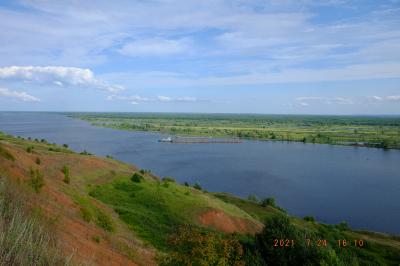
(137, 178)
(186, 184)
(65, 146)
(65, 171)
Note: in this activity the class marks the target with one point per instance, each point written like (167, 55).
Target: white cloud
(22, 96)
(59, 75)
(306, 101)
(136, 99)
(164, 98)
(154, 47)
(390, 98)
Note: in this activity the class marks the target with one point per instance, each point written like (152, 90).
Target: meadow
(368, 131)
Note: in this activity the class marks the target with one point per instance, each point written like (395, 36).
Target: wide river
(332, 183)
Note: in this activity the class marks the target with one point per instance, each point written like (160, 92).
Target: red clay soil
(229, 224)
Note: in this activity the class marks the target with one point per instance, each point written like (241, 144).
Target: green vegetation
(153, 211)
(314, 243)
(36, 179)
(194, 246)
(65, 171)
(23, 239)
(38, 161)
(137, 178)
(382, 132)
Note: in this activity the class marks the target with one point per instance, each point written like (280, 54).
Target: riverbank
(360, 131)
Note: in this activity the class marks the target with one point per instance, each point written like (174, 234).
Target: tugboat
(169, 139)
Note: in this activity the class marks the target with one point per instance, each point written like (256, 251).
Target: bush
(192, 246)
(137, 178)
(36, 179)
(186, 184)
(86, 214)
(168, 179)
(29, 149)
(65, 146)
(38, 162)
(309, 219)
(343, 226)
(268, 202)
(279, 227)
(252, 198)
(104, 221)
(65, 171)
(197, 186)
(84, 152)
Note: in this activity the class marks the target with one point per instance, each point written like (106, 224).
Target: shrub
(38, 162)
(109, 156)
(29, 149)
(186, 184)
(252, 198)
(197, 186)
(84, 152)
(137, 178)
(144, 171)
(279, 227)
(268, 202)
(309, 219)
(168, 179)
(104, 221)
(65, 171)
(36, 179)
(65, 146)
(192, 246)
(343, 226)
(86, 214)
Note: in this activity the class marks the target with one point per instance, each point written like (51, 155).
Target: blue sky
(235, 56)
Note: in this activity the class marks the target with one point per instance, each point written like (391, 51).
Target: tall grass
(23, 238)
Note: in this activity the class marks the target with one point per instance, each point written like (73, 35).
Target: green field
(369, 131)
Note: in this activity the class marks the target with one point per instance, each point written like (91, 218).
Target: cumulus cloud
(136, 99)
(58, 75)
(19, 95)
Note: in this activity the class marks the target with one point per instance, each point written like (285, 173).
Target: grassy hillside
(104, 212)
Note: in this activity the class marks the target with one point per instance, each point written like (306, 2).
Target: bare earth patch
(229, 224)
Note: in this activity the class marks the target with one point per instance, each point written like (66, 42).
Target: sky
(214, 56)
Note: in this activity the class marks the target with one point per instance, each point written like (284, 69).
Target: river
(332, 183)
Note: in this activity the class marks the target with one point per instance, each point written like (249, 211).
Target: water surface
(332, 183)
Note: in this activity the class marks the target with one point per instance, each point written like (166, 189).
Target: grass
(6, 154)
(382, 132)
(23, 238)
(153, 210)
